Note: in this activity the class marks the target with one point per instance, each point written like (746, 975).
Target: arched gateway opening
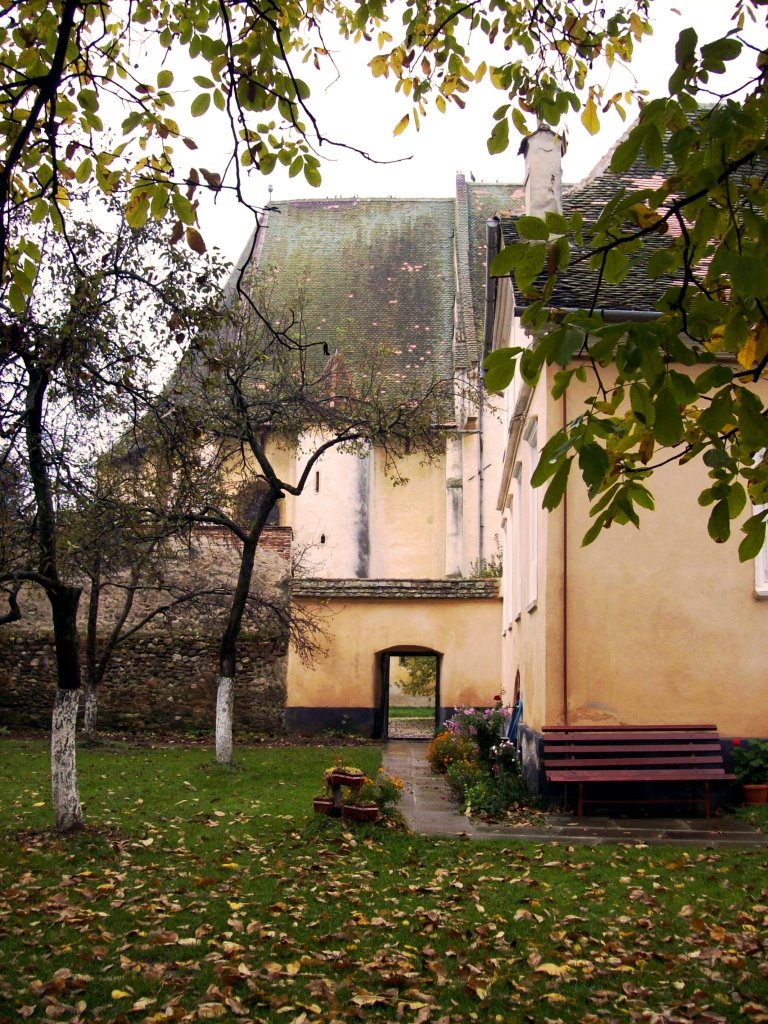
(408, 687)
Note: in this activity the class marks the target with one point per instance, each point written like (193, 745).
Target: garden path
(429, 809)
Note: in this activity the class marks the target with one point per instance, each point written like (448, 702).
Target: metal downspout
(492, 246)
(565, 586)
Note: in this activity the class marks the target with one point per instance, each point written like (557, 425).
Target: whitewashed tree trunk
(91, 712)
(225, 699)
(66, 800)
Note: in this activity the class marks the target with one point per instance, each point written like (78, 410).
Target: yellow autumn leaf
(401, 125)
(589, 117)
(553, 970)
(119, 993)
(755, 348)
(379, 66)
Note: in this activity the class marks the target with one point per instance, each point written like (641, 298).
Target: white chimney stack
(543, 152)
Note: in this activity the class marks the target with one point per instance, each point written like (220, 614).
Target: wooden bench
(623, 754)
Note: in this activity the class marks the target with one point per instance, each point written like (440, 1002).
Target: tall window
(517, 560)
(530, 436)
(761, 563)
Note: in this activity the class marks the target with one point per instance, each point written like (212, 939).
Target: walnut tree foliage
(91, 91)
(690, 382)
(91, 94)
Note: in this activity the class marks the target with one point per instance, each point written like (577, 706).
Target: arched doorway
(409, 688)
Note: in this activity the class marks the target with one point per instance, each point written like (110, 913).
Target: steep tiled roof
(484, 201)
(379, 270)
(577, 285)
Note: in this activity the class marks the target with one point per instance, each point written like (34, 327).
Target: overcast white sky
(363, 111)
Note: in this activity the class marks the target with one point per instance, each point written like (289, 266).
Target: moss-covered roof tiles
(576, 286)
(378, 270)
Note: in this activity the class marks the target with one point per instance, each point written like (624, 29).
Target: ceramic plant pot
(755, 792)
(356, 812)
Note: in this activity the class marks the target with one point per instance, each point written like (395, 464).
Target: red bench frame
(585, 754)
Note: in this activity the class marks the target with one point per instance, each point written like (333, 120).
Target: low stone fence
(154, 683)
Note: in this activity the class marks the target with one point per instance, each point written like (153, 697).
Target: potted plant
(750, 766)
(345, 775)
(322, 803)
(362, 805)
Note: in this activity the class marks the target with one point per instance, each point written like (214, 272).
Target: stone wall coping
(450, 589)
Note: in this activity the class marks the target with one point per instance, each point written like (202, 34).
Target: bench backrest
(648, 747)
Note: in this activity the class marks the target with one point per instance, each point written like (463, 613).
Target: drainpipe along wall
(492, 246)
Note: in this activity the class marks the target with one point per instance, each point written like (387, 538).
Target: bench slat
(626, 728)
(629, 774)
(575, 749)
(637, 736)
(696, 760)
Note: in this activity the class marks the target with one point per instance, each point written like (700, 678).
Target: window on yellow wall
(761, 562)
(517, 562)
(530, 436)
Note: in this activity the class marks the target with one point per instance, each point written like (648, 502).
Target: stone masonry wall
(163, 677)
(155, 683)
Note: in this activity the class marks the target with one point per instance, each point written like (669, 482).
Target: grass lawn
(200, 893)
(425, 712)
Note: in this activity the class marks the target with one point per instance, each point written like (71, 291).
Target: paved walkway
(428, 808)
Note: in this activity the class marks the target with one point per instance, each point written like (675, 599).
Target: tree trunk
(225, 699)
(67, 810)
(90, 712)
(225, 693)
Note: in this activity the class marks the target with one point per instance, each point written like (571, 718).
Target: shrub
(481, 726)
(750, 761)
(482, 767)
(446, 748)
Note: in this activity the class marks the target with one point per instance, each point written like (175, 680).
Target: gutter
(493, 243)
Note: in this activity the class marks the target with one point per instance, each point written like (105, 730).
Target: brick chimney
(543, 152)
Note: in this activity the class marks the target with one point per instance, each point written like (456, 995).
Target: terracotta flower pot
(322, 805)
(357, 812)
(354, 782)
(755, 792)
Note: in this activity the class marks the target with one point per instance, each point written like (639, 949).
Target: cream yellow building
(656, 625)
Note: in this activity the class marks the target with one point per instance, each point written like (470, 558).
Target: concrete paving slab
(429, 809)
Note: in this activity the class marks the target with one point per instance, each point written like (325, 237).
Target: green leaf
(500, 369)
(593, 463)
(200, 104)
(626, 152)
(752, 543)
(685, 49)
(84, 171)
(668, 422)
(719, 525)
(683, 388)
(556, 223)
(721, 49)
(642, 403)
(312, 175)
(532, 228)
(556, 490)
(499, 139)
(534, 258)
(183, 209)
(719, 414)
(753, 425)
